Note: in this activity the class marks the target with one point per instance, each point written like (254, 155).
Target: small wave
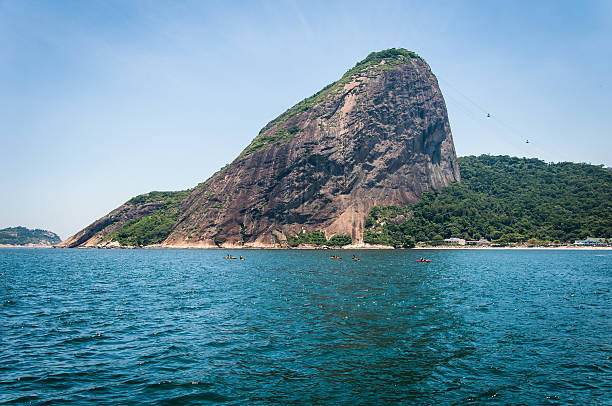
(165, 386)
(196, 398)
(21, 400)
(490, 393)
(84, 339)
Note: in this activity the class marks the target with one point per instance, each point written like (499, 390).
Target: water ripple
(292, 327)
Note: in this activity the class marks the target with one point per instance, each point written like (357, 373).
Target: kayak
(423, 261)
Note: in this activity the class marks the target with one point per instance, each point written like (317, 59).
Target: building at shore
(593, 242)
(454, 241)
(482, 242)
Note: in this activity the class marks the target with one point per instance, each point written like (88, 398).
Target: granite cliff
(378, 136)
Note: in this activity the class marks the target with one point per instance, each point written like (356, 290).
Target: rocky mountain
(378, 136)
(25, 236)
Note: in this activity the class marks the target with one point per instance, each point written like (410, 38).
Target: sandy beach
(316, 247)
(561, 248)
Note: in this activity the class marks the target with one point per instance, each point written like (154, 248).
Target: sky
(103, 100)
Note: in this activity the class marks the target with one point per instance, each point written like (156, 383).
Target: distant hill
(24, 236)
(503, 199)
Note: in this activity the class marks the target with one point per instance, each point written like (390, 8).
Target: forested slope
(23, 236)
(504, 199)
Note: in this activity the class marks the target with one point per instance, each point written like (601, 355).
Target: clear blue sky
(104, 100)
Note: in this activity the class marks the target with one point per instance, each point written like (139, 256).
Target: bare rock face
(378, 136)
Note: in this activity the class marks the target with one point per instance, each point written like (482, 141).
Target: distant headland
(25, 237)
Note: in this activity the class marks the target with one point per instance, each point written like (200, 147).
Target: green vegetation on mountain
(263, 139)
(505, 200)
(152, 197)
(391, 57)
(23, 236)
(154, 227)
(318, 238)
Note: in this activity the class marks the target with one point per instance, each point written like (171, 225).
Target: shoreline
(26, 246)
(561, 248)
(365, 248)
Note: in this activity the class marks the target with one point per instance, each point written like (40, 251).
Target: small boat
(229, 257)
(423, 260)
(335, 257)
(242, 259)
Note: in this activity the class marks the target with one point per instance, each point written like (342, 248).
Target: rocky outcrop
(378, 136)
(95, 235)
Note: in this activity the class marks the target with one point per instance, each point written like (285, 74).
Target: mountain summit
(378, 136)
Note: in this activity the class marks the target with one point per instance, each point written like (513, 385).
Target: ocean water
(111, 327)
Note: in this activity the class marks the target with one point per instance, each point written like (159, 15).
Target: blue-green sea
(109, 327)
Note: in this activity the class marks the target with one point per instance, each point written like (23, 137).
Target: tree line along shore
(507, 201)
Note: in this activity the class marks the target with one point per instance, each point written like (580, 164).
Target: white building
(454, 241)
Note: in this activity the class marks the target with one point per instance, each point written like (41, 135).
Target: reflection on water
(150, 326)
